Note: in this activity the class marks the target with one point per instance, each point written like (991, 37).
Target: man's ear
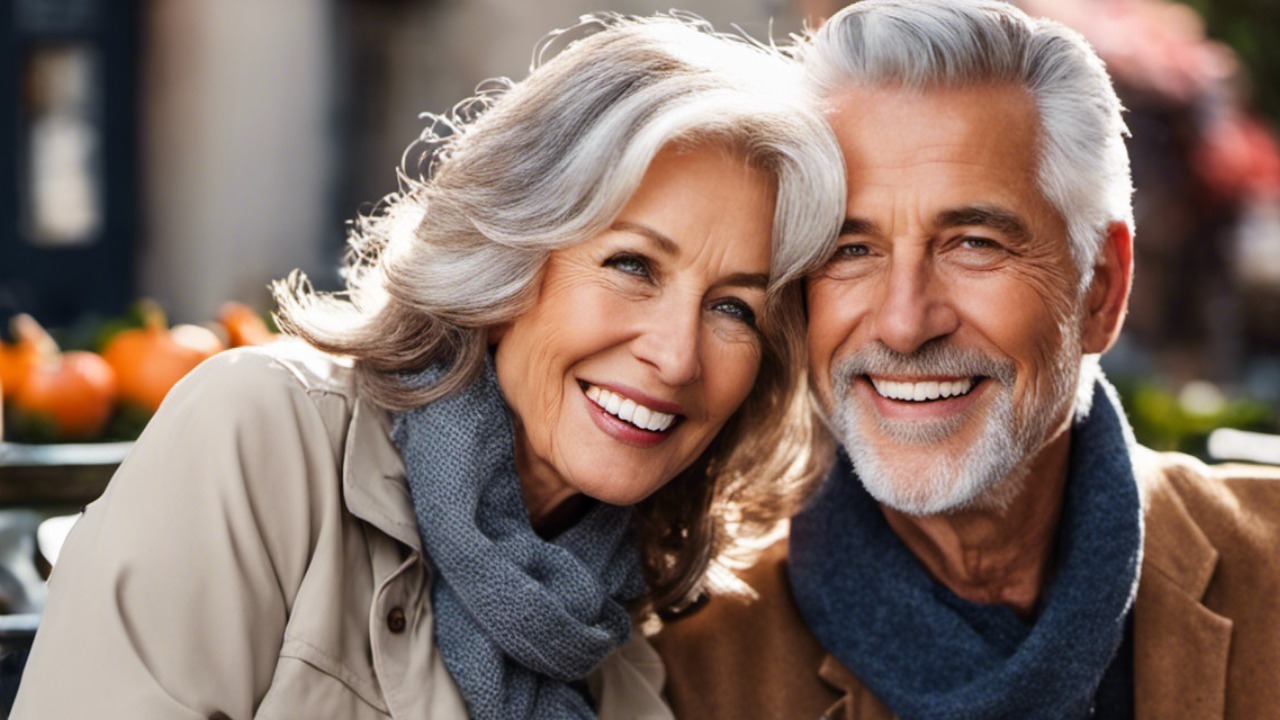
(1107, 299)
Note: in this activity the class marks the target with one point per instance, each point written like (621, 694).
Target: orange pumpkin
(32, 346)
(243, 325)
(76, 391)
(150, 360)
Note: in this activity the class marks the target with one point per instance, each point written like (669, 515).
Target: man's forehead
(997, 114)
(973, 129)
(948, 155)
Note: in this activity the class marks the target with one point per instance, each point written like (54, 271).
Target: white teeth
(922, 391)
(629, 410)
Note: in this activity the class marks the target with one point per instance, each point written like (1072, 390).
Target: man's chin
(928, 478)
(936, 491)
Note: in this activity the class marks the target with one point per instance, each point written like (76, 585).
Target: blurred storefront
(191, 151)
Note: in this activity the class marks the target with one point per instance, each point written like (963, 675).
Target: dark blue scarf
(519, 621)
(929, 655)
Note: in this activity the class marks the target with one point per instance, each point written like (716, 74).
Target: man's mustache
(934, 358)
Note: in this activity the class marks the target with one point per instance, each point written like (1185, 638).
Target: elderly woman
(564, 378)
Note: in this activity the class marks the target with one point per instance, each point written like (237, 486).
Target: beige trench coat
(257, 556)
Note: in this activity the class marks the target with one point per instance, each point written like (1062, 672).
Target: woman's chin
(619, 491)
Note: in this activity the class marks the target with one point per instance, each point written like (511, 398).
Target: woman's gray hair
(1083, 168)
(526, 168)
(523, 169)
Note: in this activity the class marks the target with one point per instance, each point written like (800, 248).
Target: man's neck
(995, 556)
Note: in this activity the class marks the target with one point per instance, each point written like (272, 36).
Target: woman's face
(642, 342)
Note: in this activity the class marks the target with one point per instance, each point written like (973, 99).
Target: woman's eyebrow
(665, 244)
(747, 280)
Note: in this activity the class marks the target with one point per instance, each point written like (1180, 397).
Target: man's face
(945, 331)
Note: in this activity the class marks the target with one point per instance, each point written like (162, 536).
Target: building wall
(237, 147)
(269, 123)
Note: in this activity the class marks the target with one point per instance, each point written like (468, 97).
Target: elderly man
(991, 543)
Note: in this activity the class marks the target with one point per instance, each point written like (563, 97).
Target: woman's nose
(670, 343)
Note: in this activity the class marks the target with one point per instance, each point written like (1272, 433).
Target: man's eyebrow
(859, 226)
(996, 218)
(666, 244)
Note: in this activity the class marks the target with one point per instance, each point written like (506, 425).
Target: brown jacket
(1206, 620)
(257, 556)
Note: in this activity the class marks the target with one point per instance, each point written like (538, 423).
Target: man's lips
(923, 389)
(921, 398)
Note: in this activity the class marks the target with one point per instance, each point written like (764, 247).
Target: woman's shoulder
(283, 364)
(254, 408)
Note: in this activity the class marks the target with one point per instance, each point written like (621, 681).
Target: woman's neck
(553, 505)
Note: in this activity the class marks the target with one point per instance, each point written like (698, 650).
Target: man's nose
(913, 307)
(671, 342)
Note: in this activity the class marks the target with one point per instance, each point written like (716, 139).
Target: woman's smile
(629, 416)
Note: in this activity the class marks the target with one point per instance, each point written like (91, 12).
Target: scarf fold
(519, 620)
(930, 655)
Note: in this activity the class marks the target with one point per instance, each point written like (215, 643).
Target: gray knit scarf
(929, 655)
(520, 621)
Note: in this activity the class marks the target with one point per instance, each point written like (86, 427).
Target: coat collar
(1178, 642)
(373, 477)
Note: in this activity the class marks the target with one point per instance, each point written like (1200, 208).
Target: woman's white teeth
(922, 391)
(629, 410)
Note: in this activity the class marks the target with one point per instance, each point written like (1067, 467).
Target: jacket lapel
(856, 702)
(373, 483)
(1180, 646)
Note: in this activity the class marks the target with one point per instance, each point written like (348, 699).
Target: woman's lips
(626, 420)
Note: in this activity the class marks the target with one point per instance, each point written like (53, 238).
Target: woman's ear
(1107, 299)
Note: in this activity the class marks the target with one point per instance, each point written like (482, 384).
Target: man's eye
(736, 309)
(630, 264)
(978, 243)
(851, 250)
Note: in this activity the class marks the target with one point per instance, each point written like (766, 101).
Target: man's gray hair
(1084, 167)
(526, 168)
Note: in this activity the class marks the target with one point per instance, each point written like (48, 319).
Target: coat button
(396, 621)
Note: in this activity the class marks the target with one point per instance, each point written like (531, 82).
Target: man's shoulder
(1213, 530)
(746, 654)
(1206, 611)
(1216, 496)
(761, 604)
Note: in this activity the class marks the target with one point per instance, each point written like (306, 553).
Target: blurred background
(190, 151)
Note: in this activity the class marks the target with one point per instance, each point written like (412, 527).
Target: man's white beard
(919, 476)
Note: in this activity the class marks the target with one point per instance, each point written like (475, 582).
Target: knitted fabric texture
(519, 621)
(928, 654)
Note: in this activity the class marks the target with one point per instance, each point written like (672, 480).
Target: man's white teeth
(922, 391)
(629, 410)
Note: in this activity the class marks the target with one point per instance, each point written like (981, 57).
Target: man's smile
(923, 389)
(921, 399)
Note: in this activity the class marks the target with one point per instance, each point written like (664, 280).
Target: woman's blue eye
(736, 309)
(630, 264)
